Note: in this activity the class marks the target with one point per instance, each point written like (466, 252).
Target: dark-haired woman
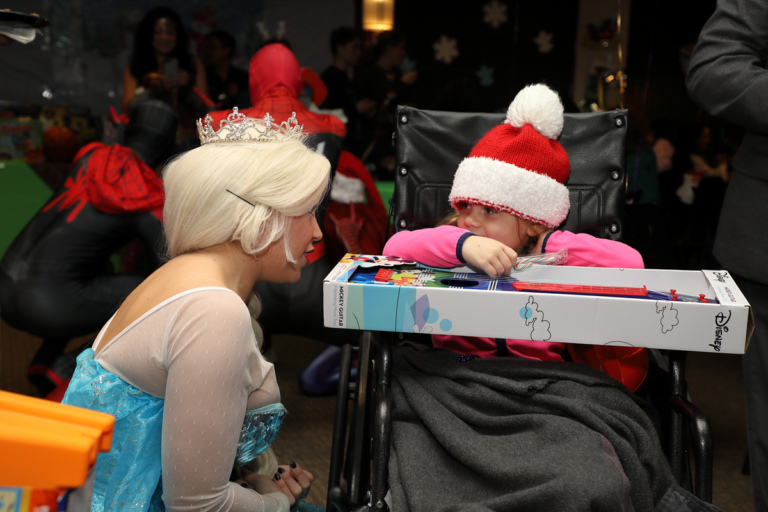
(161, 60)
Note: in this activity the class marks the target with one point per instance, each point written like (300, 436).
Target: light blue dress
(128, 477)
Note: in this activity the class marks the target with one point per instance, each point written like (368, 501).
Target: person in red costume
(275, 85)
(56, 278)
(274, 79)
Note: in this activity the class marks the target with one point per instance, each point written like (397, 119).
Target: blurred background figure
(704, 161)
(346, 48)
(664, 148)
(645, 224)
(57, 279)
(162, 67)
(227, 84)
(381, 79)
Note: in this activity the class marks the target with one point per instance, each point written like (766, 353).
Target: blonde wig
(243, 191)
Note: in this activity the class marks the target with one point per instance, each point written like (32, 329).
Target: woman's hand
(290, 479)
(259, 483)
(294, 481)
(488, 255)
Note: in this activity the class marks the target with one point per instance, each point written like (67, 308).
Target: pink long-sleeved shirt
(442, 246)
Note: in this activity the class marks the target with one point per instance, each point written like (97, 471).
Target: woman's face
(304, 233)
(164, 39)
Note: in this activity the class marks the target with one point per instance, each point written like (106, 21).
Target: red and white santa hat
(519, 167)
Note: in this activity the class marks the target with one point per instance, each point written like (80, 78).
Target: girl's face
(501, 226)
(164, 39)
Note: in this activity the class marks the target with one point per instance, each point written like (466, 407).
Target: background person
(162, 67)
(227, 84)
(56, 278)
(161, 46)
(727, 77)
(346, 47)
(275, 87)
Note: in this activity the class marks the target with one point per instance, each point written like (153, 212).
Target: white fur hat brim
(506, 187)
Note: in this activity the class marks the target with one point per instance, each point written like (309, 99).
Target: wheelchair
(429, 146)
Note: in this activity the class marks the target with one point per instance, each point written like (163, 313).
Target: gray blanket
(515, 434)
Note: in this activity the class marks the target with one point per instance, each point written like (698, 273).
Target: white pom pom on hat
(518, 167)
(539, 106)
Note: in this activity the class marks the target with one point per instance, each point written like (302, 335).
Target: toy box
(700, 311)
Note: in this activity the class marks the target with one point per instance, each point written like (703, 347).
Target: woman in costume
(178, 364)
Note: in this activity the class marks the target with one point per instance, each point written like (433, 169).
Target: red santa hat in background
(519, 167)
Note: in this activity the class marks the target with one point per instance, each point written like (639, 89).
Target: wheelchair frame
(360, 454)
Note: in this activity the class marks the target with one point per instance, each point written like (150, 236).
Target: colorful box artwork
(21, 140)
(682, 310)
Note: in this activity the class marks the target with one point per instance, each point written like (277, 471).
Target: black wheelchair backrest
(431, 144)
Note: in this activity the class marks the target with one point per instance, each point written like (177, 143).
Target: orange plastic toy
(48, 445)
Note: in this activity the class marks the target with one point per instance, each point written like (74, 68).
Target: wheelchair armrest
(382, 410)
(338, 497)
(701, 432)
(699, 427)
(366, 439)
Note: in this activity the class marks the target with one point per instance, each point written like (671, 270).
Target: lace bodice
(197, 352)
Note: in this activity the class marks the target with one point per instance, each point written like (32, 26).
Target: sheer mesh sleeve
(209, 370)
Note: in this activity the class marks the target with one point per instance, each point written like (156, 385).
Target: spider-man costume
(56, 278)
(275, 85)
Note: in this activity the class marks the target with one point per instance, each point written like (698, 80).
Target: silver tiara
(238, 127)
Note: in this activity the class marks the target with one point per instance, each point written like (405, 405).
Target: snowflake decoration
(495, 13)
(279, 32)
(445, 49)
(544, 41)
(485, 76)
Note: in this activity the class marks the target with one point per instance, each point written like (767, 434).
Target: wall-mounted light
(378, 15)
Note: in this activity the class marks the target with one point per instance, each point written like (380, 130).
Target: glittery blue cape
(128, 477)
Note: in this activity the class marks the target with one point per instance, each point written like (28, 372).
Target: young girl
(510, 196)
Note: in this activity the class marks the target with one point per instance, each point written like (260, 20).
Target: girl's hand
(294, 481)
(488, 255)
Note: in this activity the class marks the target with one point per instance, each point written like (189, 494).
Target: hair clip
(241, 197)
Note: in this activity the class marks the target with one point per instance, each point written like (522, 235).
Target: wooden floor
(714, 379)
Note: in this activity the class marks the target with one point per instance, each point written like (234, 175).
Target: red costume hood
(275, 85)
(273, 65)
